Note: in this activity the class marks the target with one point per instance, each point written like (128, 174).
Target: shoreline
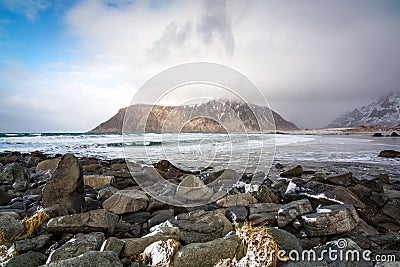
(293, 200)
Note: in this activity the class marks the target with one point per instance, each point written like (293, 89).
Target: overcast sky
(69, 66)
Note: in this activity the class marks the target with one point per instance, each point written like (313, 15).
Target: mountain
(209, 117)
(384, 112)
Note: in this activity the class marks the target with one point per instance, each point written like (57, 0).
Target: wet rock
(92, 168)
(90, 259)
(342, 179)
(389, 154)
(198, 226)
(389, 216)
(77, 245)
(106, 192)
(94, 220)
(294, 172)
(97, 181)
(29, 259)
(330, 220)
(125, 201)
(157, 219)
(285, 240)
(244, 199)
(135, 246)
(10, 227)
(264, 194)
(209, 253)
(289, 212)
(136, 217)
(48, 164)
(192, 190)
(33, 243)
(65, 187)
(324, 194)
(15, 174)
(263, 213)
(113, 244)
(236, 214)
(4, 197)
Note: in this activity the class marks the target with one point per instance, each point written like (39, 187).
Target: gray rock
(65, 187)
(135, 246)
(136, 217)
(326, 194)
(289, 212)
(157, 219)
(10, 227)
(209, 253)
(263, 213)
(244, 199)
(285, 240)
(263, 208)
(125, 201)
(97, 181)
(15, 174)
(29, 259)
(265, 195)
(304, 264)
(94, 220)
(294, 172)
(389, 154)
(236, 214)
(113, 244)
(333, 219)
(106, 192)
(4, 197)
(198, 226)
(33, 243)
(77, 245)
(90, 259)
(342, 179)
(48, 164)
(192, 190)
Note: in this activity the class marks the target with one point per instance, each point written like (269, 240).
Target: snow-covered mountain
(384, 112)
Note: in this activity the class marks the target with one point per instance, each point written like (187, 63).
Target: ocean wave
(137, 143)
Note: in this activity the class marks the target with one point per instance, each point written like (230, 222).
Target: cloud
(312, 59)
(28, 8)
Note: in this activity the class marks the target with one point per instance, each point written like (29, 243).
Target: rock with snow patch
(289, 212)
(330, 220)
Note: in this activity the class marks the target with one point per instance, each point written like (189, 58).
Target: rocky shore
(69, 211)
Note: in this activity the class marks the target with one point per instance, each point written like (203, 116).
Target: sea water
(193, 150)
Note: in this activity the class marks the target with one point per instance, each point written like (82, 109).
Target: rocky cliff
(210, 117)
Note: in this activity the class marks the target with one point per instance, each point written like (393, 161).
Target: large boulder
(94, 220)
(209, 253)
(289, 212)
(66, 187)
(192, 190)
(198, 226)
(48, 165)
(10, 227)
(125, 201)
(263, 213)
(341, 179)
(29, 259)
(77, 245)
(15, 174)
(90, 259)
(33, 243)
(330, 220)
(265, 195)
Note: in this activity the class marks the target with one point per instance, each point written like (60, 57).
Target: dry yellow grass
(262, 248)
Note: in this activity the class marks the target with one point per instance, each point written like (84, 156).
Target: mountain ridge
(384, 112)
(213, 117)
